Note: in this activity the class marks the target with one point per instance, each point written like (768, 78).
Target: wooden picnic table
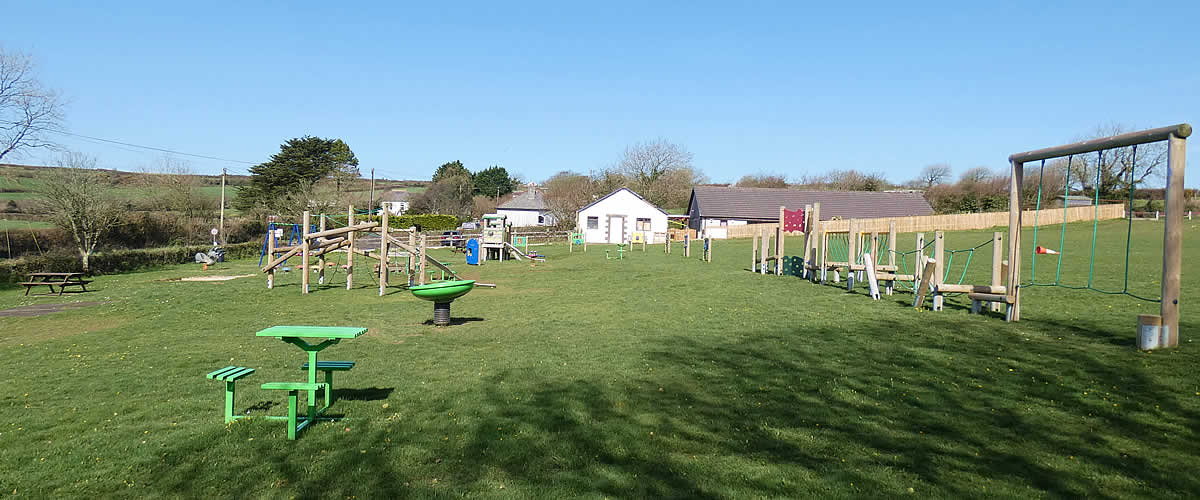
(60, 280)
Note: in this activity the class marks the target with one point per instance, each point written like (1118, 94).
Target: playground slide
(522, 255)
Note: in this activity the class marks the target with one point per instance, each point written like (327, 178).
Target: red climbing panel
(793, 220)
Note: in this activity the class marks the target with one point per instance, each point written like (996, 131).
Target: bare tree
(174, 188)
(647, 167)
(1118, 167)
(975, 175)
(27, 109)
(567, 192)
(79, 203)
(935, 174)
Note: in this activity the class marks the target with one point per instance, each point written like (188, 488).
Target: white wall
(625, 203)
(396, 207)
(526, 218)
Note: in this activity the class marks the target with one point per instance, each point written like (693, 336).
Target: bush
(426, 222)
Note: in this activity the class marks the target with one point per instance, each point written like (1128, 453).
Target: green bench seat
(294, 389)
(329, 367)
(230, 375)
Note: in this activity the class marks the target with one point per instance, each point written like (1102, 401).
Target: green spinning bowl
(441, 294)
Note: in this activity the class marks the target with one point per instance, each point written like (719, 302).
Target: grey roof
(715, 202)
(532, 199)
(396, 196)
(618, 190)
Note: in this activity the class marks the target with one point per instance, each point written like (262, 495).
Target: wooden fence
(954, 222)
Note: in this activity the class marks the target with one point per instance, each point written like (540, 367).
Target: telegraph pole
(371, 201)
(222, 226)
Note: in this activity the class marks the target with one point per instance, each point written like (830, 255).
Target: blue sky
(541, 87)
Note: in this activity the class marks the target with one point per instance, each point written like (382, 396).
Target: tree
(493, 182)
(452, 195)
(176, 189)
(1119, 168)
(27, 109)
(647, 167)
(975, 175)
(935, 174)
(345, 165)
(78, 202)
(566, 192)
(763, 181)
(300, 163)
(450, 169)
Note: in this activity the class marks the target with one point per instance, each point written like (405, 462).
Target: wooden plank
(343, 230)
(894, 276)
(953, 288)
(270, 254)
(989, 297)
(779, 245)
(321, 256)
(872, 284)
(424, 257)
(997, 258)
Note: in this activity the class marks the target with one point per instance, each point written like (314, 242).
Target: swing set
(1154, 331)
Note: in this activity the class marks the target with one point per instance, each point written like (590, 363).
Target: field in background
(649, 377)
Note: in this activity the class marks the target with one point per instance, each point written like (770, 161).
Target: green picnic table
(296, 335)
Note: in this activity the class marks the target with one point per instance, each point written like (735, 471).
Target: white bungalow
(616, 216)
(527, 209)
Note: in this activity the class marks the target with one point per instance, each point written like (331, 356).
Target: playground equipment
(323, 241)
(495, 243)
(442, 294)
(574, 239)
(1154, 331)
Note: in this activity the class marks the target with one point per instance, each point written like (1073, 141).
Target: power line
(152, 148)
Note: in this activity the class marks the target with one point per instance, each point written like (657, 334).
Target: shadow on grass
(455, 321)
(369, 394)
(786, 412)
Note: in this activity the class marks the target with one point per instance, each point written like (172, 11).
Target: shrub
(426, 222)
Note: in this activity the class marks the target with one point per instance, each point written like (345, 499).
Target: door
(616, 229)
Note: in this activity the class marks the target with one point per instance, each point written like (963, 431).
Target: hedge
(427, 222)
(116, 261)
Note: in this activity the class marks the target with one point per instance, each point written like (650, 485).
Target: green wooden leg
(328, 388)
(292, 397)
(229, 389)
(312, 379)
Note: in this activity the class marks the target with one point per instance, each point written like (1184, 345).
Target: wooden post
(350, 254)
(754, 253)
(779, 232)
(997, 258)
(271, 255)
(872, 283)
(304, 253)
(421, 260)
(923, 288)
(687, 245)
(939, 271)
(709, 245)
(668, 244)
(321, 258)
(762, 257)
(918, 267)
(891, 260)
(806, 255)
(383, 252)
(1014, 242)
(822, 246)
(1173, 240)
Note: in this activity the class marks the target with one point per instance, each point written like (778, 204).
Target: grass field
(654, 376)
(24, 224)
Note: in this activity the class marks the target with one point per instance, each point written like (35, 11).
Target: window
(593, 223)
(643, 224)
(541, 219)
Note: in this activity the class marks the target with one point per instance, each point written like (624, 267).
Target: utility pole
(371, 201)
(222, 226)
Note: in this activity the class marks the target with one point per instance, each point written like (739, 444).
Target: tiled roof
(531, 199)
(715, 202)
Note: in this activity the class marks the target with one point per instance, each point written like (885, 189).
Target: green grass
(24, 224)
(655, 376)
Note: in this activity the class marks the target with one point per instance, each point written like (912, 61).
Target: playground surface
(654, 376)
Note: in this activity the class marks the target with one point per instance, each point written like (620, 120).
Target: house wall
(396, 207)
(621, 203)
(527, 218)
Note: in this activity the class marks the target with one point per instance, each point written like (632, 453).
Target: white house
(396, 202)
(616, 216)
(527, 209)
